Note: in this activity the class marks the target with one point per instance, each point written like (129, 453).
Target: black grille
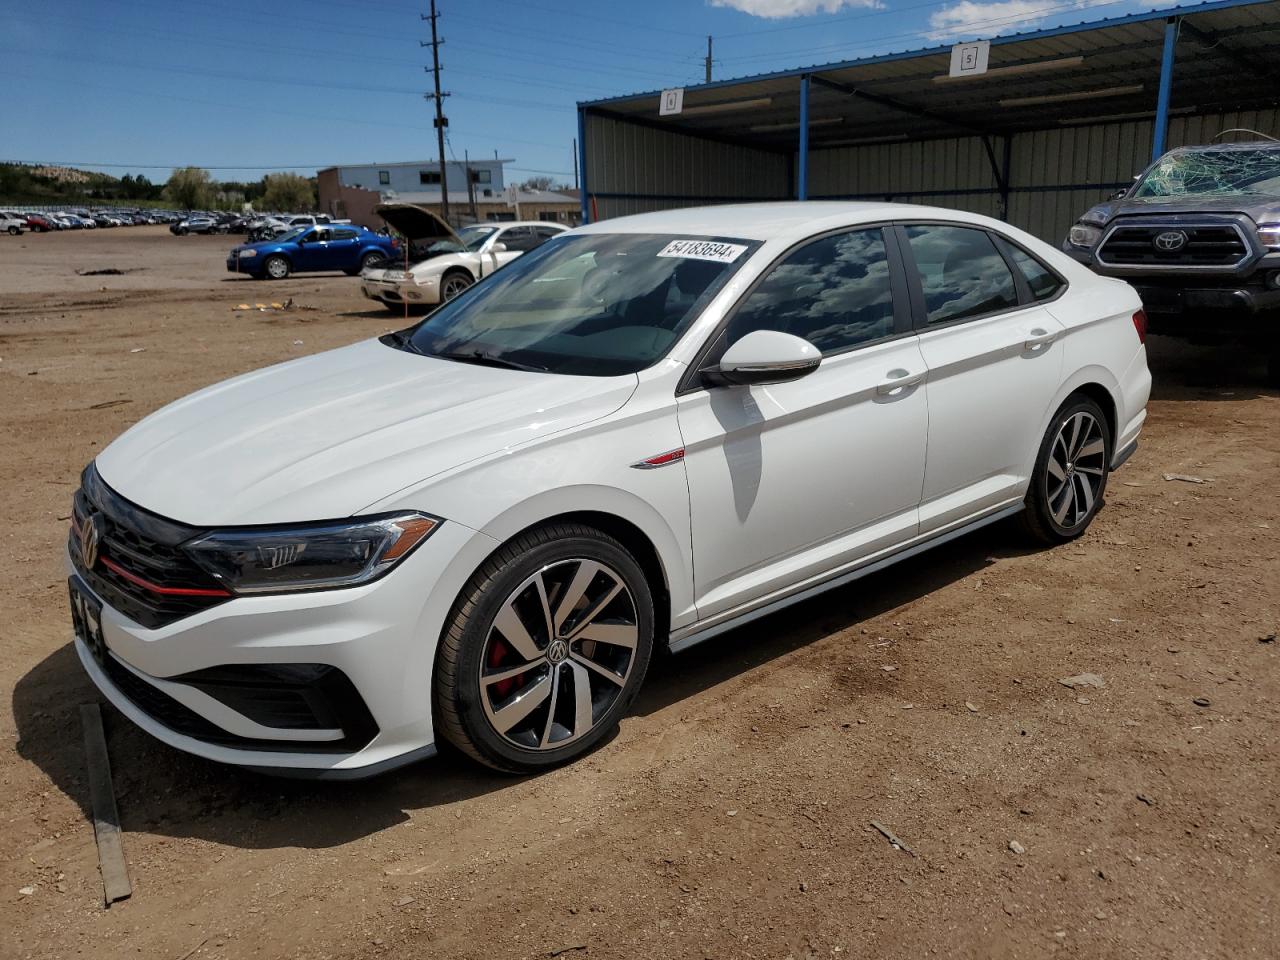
(326, 700)
(1205, 246)
(138, 546)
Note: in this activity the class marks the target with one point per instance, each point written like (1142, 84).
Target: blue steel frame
(1166, 87)
(582, 164)
(802, 176)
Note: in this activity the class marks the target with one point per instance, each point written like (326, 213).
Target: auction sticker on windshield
(703, 250)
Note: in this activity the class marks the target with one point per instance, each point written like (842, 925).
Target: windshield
(592, 304)
(1213, 173)
(472, 239)
(292, 235)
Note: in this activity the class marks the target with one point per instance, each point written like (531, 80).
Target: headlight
(310, 557)
(1269, 234)
(1084, 235)
(247, 253)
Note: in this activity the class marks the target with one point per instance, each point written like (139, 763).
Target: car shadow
(1188, 371)
(164, 791)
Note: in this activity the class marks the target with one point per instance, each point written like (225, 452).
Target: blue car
(336, 246)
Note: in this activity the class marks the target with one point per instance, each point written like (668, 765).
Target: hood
(418, 224)
(1261, 208)
(328, 435)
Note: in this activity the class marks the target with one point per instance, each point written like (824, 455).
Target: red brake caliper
(498, 653)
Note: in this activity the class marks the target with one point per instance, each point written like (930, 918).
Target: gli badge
(90, 539)
(1170, 241)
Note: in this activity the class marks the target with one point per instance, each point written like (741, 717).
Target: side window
(518, 238)
(319, 234)
(1043, 283)
(340, 234)
(384, 177)
(962, 272)
(834, 292)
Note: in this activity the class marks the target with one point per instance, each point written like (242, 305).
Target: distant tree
(287, 191)
(538, 183)
(191, 188)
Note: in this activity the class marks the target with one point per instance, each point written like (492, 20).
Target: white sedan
(647, 431)
(441, 263)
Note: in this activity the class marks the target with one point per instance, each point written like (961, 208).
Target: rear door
(343, 248)
(994, 364)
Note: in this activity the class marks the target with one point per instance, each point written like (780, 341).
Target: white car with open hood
(646, 431)
(441, 263)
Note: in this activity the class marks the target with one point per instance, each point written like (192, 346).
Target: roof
(499, 197)
(1089, 72)
(768, 221)
(478, 161)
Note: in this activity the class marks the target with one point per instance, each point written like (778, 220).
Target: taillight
(1140, 324)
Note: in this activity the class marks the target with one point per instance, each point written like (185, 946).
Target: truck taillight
(1140, 324)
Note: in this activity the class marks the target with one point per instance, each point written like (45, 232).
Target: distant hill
(42, 183)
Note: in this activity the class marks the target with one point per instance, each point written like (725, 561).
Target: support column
(802, 182)
(582, 165)
(1166, 88)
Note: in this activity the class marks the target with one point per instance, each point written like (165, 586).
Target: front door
(791, 481)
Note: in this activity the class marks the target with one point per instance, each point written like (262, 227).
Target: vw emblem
(558, 651)
(1170, 240)
(90, 539)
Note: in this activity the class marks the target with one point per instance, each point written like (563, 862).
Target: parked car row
(46, 221)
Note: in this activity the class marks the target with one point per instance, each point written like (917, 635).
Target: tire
(1069, 481)
(453, 283)
(15, 232)
(522, 712)
(1273, 367)
(182, 231)
(276, 267)
(370, 260)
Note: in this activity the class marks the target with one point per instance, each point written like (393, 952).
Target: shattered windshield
(1213, 173)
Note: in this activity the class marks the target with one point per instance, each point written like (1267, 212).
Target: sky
(243, 89)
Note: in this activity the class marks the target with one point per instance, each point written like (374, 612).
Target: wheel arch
(1095, 382)
(458, 268)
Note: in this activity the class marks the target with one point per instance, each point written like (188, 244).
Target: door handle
(1039, 338)
(898, 380)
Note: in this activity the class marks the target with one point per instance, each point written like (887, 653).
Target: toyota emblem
(90, 539)
(1170, 241)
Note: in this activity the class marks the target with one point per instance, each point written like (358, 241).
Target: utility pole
(471, 183)
(708, 58)
(441, 121)
(575, 163)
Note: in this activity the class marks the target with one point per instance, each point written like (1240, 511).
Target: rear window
(1043, 282)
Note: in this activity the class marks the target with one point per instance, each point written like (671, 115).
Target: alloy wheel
(558, 654)
(453, 286)
(1076, 469)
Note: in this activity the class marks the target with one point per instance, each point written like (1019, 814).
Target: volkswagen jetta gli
(647, 431)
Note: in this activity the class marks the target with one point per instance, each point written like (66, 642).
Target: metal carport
(1061, 118)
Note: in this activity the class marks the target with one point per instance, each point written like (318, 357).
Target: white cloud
(782, 9)
(972, 18)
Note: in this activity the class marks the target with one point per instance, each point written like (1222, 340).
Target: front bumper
(402, 291)
(379, 639)
(242, 264)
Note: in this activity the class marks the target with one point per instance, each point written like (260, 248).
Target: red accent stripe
(156, 588)
(664, 458)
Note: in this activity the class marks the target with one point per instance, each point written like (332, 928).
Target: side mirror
(768, 356)
(1120, 194)
(498, 247)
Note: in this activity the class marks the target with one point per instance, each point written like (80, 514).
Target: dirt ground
(731, 815)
